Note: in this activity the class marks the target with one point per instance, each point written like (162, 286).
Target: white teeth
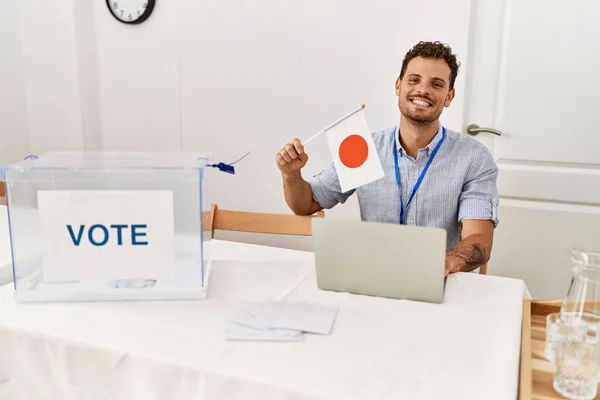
(420, 102)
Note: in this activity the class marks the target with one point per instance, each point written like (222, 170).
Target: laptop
(380, 259)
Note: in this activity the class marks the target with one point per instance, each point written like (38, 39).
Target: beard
(418, 118)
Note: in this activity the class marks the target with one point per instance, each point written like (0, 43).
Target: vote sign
(104, 235)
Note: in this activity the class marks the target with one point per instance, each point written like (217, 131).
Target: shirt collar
(429, 147)
(436, 140)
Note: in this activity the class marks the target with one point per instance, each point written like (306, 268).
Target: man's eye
(413, 80)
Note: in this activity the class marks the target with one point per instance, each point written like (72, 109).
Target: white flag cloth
(353, 152)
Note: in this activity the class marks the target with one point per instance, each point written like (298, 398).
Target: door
(534, 77)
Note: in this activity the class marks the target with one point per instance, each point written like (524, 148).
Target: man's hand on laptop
(473, 250)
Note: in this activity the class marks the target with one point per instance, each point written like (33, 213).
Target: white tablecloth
(465, 348)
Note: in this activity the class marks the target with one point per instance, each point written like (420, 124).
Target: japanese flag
(353, 152)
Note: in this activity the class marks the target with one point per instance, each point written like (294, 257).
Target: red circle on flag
(354, 151)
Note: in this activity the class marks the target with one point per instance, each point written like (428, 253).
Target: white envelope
(302, 317)
(306, 317)
(234, 331)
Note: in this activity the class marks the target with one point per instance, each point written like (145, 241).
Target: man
(457, 192)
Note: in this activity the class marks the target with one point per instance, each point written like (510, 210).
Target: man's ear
(450, 97)
(398, 82)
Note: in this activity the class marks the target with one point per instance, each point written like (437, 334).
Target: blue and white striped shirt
(460, 184)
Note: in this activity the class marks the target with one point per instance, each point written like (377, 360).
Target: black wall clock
(131, 11)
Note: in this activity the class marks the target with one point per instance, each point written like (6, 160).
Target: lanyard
(403, 209)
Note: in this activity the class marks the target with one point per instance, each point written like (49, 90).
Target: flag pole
(334, 124)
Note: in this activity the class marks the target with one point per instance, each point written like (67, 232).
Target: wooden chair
(2, 193)
(242, 221)
(278, 224)
(483, 269)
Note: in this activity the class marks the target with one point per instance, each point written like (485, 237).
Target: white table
(465, 348)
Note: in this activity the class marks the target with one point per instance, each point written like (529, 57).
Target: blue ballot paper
(281, 321)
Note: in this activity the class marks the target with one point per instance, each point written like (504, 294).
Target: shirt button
(412, 221)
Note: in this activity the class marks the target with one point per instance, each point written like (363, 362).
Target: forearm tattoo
(470, 256)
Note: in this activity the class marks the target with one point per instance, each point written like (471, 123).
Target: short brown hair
(433, 50)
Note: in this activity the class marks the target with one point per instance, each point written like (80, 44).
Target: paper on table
(249, 319)
(235, 331)
(306, 317)
(246, 326)
(274, 320)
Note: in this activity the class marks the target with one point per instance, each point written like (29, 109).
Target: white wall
(249, 76)
(138, 69)
(51, 71)
(48, 78)
(88, 77)
(222, 77)
(14, 132)
(257, 74)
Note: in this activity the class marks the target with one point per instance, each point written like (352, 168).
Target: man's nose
(422, 89)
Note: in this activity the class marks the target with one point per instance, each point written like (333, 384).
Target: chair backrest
(2, 193)
(483, 269)
(243, 221)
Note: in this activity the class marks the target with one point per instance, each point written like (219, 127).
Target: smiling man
(434, 177)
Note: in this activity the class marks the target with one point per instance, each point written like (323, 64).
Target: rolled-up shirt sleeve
(326, 189)
(479, 197)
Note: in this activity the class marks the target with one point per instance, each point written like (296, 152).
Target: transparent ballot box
(108, 226)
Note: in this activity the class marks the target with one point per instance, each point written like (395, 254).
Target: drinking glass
(577, 364)
(558, 330)
(572, 336)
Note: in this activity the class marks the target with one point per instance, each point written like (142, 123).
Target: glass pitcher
(582, 302)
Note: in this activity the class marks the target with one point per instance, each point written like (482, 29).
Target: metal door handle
(474, 129)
